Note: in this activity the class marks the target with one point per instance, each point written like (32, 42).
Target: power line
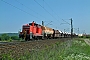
(19, 9)
(45, 9)
(28, 8)
(48, 23)
(66, 22)
(56, 14)
(50, 7)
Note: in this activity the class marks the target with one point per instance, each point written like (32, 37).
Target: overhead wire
(45, 9)
(66, 22)
(50, 7)
(56, 14)
(19, 9)
(29, 8)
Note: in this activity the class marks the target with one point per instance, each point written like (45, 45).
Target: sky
(54, 13)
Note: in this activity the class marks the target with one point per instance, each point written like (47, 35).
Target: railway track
(17, 42)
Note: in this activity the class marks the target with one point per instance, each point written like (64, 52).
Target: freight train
(36, 31)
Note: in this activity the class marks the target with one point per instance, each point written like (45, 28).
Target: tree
(15, 38)
(5, 37)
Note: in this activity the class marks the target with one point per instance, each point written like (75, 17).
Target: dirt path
(87, 41)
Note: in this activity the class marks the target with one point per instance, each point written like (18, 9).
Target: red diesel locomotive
(31, 31)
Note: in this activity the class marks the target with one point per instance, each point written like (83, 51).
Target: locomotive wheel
(25, 39)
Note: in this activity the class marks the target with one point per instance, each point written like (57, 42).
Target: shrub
(15, 38)
(5, 37)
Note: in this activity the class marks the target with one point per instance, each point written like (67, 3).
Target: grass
(70, 50)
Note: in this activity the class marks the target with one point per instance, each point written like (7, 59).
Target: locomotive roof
(35, 24)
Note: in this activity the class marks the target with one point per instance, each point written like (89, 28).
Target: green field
(76, 49)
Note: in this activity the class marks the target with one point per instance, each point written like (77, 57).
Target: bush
(15, 38)
(5, 37)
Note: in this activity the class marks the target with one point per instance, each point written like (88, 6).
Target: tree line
(7, 37)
